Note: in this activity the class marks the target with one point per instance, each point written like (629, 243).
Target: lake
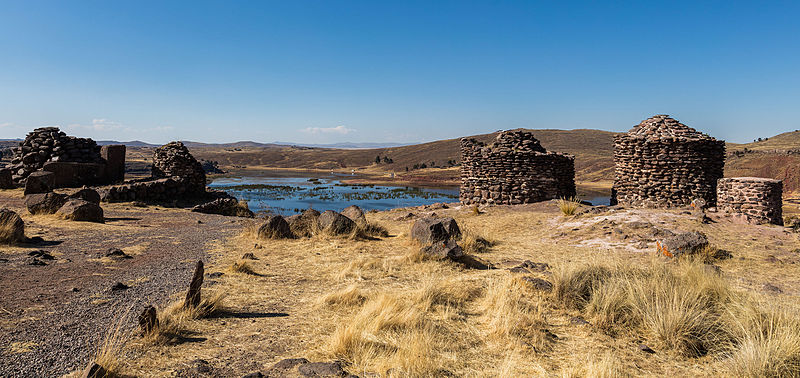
(291, 195)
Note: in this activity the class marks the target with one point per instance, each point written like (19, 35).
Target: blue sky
(404, 71)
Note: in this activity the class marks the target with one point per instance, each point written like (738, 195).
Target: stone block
(114, 155)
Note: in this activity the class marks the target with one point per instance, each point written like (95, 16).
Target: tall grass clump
(568, 206)
(513, 314)
(765, 341)
(472, 242)
(681, 308)
(174, 320)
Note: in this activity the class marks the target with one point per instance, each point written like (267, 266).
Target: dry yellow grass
(568, 206)
(371, 304)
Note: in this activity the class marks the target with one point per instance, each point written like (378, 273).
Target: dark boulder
(87, 194)
(443, 249)
(275, 227)
(322, 369)
(305, 223)
(12, 227)
(225, 206)
(687, 243)
(6, 179)
(82, 211)
(333, 223)
(432, 230)
(45, 203)
(355, 214)
(40, 182)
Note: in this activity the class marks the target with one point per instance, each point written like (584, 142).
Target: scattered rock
(577, 320)
(712, 269)
(333, 223)
(12, 227)
(642, 245)
(304, 224)
(200, 366)
(249, 256)
(529, 266)
(432, 230)
(645, 348)
(216, 275)
(772, 289)
(82, 211)
(40, 182)
(406, 217)
(355, 214)
(225, 206)
(254, 375)
(119, 286)
(471, 262)
(41, 254)
(117, 253)
(282, 367)
(45, 203)
(685, 243)
(193, 294)
(322, 369)
(87, 194)
(443, 249)
(35, 261)
(275, 227)
(538, 284)
(148, 320)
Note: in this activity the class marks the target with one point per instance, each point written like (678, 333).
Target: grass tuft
(242, 267)
(568, 206)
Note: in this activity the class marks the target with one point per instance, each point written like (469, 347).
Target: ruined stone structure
(514, 169)
(176, 175)
(758, 200)
(664, 163)
(174, 159)
(74, 161)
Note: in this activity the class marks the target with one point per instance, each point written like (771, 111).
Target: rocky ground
(298, 298)
(53, 316)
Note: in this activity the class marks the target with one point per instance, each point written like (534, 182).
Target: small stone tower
(664, 163)
(514, 169)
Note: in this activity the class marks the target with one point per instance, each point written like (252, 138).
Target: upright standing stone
(193, 295)
(148, 320)
(6, 179)
(12, 228)
(664, 163)
(114, 155)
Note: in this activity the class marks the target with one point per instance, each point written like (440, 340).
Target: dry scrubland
(381, 308)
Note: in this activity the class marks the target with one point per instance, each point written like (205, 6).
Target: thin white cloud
(328, 130)
(6, 124)
(98, 124)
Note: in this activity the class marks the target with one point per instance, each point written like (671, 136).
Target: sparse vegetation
(568, 206)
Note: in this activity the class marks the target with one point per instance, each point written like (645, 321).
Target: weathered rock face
(114, 156)
(82, 211)
(50, 144)
(174, 159)
(663, 163)
(12, 228)
(433, 230)
(6, 181)
(87, 194)
(333, 223)
(71, 175)
(759, 200)
(275, 227)
(355, 214)
(305, 223)
(225, 206)
(686, 243)
(45, 203)
(153, 190)
(443, 249)
(40, 182)
(514, 169)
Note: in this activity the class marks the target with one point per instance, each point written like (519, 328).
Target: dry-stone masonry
(759, 200)
(514, 169)
(664, 163)
(75, 161)
(174, 159)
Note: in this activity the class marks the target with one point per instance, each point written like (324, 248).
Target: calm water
(291, 195)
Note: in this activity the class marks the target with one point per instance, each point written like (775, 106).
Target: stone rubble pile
(48, 144)
(514, 169)
(664, 163)
(758, 200)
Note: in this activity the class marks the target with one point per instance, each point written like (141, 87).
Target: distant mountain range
(247, 143)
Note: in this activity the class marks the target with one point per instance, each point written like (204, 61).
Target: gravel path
(53, 317)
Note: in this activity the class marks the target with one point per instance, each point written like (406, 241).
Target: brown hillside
(593, 150)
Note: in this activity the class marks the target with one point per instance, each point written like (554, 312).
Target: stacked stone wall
(760, 200)
(164, 189)
(666, 172)
(49, 144)
(515, 169)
